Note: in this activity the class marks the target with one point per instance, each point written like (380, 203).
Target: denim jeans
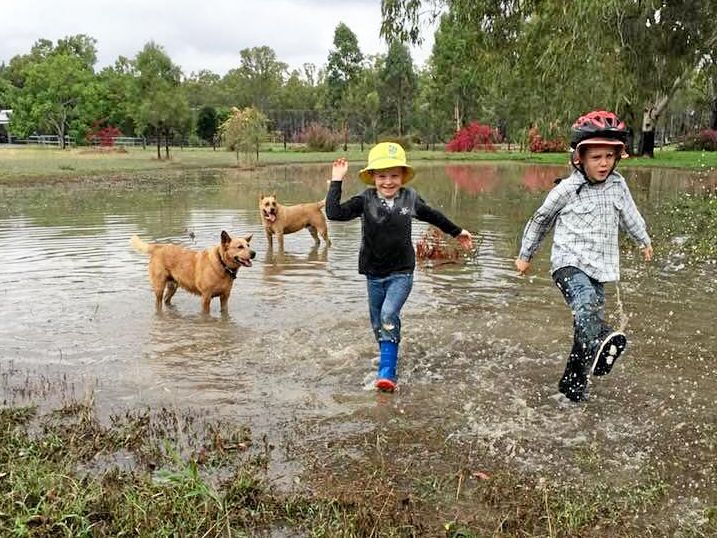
(586, 298)
(386, 297)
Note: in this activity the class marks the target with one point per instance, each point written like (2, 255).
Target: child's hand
(522, 266)
(339, 169)
(647, 253)
(465, 239)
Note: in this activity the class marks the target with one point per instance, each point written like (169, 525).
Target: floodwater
(483, 348)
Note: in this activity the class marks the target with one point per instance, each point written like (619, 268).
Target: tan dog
(209, 273)
(286, 219)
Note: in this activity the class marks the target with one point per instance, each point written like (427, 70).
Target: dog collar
(231, 272)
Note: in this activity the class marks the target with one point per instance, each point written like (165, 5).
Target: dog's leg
(170, 289)
(280, 237)
(270, 239)
(158, 284)
(206, 299)
(325, 234)
(224, 303)
(314, 233)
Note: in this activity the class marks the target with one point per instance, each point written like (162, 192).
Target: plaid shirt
(586, 219)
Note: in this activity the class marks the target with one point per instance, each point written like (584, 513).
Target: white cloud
(197, 35)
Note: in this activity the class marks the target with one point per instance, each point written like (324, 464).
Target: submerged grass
(171, 474)
(686, 227)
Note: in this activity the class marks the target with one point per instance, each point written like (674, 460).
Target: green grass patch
(24, 164)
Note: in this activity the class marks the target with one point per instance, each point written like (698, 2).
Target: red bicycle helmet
(598, 127)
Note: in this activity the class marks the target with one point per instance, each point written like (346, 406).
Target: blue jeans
(586, 298)
(386, 297)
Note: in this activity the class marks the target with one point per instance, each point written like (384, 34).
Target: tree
(207, 124)
(573, 56)
(398, 85)
(344, 65)
(55, 83)
(119, 93)
(162, 106)
(262, 74)
(362, 104)
(244, 131)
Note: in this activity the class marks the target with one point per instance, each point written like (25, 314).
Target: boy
(587, 208)
(386, 256)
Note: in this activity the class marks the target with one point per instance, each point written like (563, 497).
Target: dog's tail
(139, 245)
(321, 203)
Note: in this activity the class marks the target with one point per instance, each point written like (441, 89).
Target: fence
(42, 140)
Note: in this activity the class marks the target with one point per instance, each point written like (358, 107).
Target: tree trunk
(457, 115)
(713, 115)
(159, 145)
(166, 144)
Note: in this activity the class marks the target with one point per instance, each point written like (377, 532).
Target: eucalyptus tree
(262, 76)
(54, 84)
(161, 105)
(571, 56)
(202, 89)
(398, 87)
(362, 102)
(345, 63)
(118, 95)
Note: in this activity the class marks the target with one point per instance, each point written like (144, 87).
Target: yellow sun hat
(386, 155)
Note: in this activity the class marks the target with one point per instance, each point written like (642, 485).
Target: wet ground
(483, 348)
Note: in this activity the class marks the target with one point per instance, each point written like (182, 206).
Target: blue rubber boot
(386, 378)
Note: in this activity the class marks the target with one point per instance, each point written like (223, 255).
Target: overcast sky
(195, 34)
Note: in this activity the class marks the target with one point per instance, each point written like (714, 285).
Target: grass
(64, 473)
(25, 164)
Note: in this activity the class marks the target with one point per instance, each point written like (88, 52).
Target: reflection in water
(472, 179)
(482, 348)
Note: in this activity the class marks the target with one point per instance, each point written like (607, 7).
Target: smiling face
(389, 180)
(235, 251)
(598, 161)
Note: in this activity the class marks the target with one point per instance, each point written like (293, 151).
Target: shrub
(472, 137)
(318, 137)
(705, 140)
(104, 137)
(538, 144)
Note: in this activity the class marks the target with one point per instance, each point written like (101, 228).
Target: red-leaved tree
(474, 136)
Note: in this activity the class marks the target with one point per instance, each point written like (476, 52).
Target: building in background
(5, 137)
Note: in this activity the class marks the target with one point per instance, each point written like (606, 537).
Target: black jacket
(386, 245)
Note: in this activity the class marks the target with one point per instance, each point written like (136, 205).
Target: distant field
(20, 163)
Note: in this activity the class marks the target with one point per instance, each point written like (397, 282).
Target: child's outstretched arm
(335, 210)
(632, 222)
(339, 169)
(538, 226)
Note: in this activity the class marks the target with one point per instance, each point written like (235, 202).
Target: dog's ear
(261, 196)
(273, 195)
(225, 238)
(247, 238)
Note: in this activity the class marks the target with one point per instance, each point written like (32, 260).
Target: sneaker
(610, 349)
(385, 385)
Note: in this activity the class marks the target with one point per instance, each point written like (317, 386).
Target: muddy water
(482, 353)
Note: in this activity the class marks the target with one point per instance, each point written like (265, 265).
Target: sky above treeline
(198, 34)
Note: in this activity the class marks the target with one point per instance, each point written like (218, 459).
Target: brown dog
(209, 273)
(286, 219)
